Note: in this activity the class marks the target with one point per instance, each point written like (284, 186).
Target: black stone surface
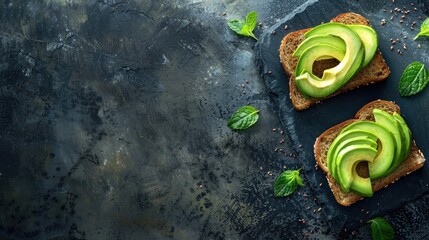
(306, 125)
(113, 126)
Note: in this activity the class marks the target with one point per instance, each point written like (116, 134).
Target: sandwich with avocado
(331, 58)
(366, 153)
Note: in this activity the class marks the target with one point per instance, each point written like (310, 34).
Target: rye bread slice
(414, 161)
(376, 71)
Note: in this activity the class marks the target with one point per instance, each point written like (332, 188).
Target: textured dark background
(113, 126)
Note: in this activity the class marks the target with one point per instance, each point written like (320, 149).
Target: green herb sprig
(287, 183)
(244, 28)
(424, 29)
(413, 80)
(243, 118)
(381, 229)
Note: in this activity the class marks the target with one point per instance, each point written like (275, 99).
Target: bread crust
(414, 161)
(376, 71)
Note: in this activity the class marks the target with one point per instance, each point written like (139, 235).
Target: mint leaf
(244, 28)
(287, 183)
(243, 118)
(246, 31)
(424, 29)
(251, 20)
(236, 25)
(381, 229)
(413, 80)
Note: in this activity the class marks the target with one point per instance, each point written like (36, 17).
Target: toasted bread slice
(376, 71)
(414, 161)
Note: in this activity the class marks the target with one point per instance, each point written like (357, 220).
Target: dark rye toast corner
(376, 71)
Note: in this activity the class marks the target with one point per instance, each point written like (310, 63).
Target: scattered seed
(276, 149)
(412, 28)
(273, 33)
(224, 13)
(282, 141)
(247, 81)
(383, 21)
(405, 37)
(286, 26)
(391, 48)
(320, 184)
(391, 18)
(405, 46)
(319, 209)
(401, 21)
(260, 24)
(274, 129)
(269, 72)
(419, 46)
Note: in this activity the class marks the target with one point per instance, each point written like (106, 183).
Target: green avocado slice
(405, 139)
(344, 140)
(388, 121)
(320, 39)
(360, 184)
(335, 77)
(314, 52)
(349, 156)
(386, 147)
(369, 40)
(406, 134)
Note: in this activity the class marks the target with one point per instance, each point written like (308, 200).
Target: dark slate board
(306, 125)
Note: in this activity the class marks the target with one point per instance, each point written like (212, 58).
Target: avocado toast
(373, 70)
(412, 158)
